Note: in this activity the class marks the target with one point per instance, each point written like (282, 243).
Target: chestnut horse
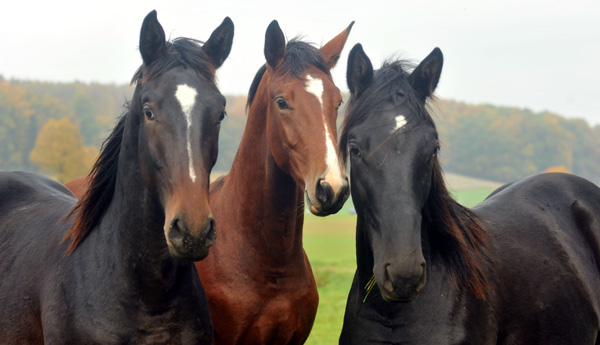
(522, 267)
(122, 280)
(258, 280)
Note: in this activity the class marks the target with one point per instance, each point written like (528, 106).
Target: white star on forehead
(400, 122)
(187, 99)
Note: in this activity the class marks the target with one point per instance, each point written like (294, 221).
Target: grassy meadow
(330, 245)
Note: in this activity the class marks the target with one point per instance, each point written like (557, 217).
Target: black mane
(182, 51)
(298, 56)
(102, 178)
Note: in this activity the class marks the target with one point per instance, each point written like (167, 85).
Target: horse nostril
(324, 191)
(387, 279)
(176, 231)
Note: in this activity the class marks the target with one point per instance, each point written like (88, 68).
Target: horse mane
(456, 234)
(298, 56)
(182, 51)
(90, 209)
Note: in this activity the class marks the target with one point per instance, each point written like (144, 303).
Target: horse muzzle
(328, 198)
(186, 241)
(399, 283)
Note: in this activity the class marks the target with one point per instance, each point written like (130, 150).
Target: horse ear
(360, 71)
(332, 50)
(152, 39)
(274, 44)
(425, 77)
(219, 44)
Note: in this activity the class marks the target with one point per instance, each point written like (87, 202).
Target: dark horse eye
(149, 114)
(222, 116)
(281, 103)
(354, 151)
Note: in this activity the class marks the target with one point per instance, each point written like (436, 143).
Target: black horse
(520, 268)
(118, 281)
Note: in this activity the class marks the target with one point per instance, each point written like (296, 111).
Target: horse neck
(273, 204)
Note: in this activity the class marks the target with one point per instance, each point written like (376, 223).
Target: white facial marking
(333, 174)
(187, 98)
(400, 122)
(315, 86)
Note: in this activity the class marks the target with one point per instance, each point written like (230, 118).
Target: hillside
(483, 141)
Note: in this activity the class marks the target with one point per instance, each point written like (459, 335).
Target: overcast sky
(541, 55)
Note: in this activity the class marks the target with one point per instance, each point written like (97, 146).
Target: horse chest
(264, 313)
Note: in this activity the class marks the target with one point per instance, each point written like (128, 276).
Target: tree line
(57, 128)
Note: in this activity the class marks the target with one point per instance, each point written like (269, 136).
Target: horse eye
(339, 105)
(222, 116)
(354, 151)
(149, 114)
(281, 103)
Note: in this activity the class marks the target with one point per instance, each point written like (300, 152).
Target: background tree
(59, 151)
(15, 114)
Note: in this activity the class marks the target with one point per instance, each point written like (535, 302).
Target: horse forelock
(89, 210)
(457, 237)
(182, 51)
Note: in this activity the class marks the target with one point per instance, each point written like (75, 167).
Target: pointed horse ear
(359, 74)
(219, 44)
(152, 39)
(274, 45)
(332, 50)
(424, 79)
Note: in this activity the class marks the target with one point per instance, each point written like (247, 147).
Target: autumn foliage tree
(59, 151)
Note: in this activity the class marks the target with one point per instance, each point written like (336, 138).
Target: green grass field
(330, 245)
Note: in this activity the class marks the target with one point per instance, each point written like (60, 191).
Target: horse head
(392, 157)
(179, 110)
(301, 111)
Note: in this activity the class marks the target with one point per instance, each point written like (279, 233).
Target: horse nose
(324, 192)
(189, 243)
(327, 196)
(404, 282)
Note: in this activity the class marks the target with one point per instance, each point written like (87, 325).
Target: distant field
(330, 245)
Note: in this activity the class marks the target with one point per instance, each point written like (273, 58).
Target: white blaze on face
(333, 175)
(187, 98)
(400, 122)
